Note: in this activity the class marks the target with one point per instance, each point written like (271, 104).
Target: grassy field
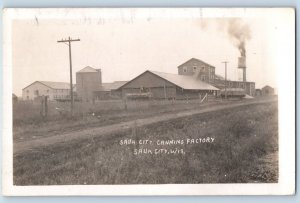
(244, 140)
(28, 124)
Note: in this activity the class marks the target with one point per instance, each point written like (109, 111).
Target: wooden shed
(267, 91)
(167, 86)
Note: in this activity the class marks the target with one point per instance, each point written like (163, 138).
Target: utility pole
(225, 62)
(68, 42)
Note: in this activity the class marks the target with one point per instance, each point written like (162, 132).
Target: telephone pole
(68, 42)
(225, 62)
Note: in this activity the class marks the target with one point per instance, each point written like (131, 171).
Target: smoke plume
(239, 33)
(236, 29)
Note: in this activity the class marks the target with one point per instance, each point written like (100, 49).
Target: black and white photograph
(192, 100)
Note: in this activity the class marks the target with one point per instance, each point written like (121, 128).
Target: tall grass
(29, 124)
(243, 137)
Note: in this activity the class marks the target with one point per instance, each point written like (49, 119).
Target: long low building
(166, 85)
(109, 90)
(54, 90)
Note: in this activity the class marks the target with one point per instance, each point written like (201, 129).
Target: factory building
(258, 92)
(167, 86)
(199, 69)
(88, 80)
(267, 91)
(195, 79)
(54, 90)
(249, 87)
(109, 91)
(205, 72)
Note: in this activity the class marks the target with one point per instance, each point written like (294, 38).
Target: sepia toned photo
(182, 101)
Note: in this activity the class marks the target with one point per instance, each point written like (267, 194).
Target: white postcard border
(286, 92)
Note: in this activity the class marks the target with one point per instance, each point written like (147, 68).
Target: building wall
(61, 94)
(161, 88)
(87, 83)
(38, 89)
(157, 92)
(203, 71)
(107, 95)
(194, 94)
(249, 87)
(258, 92)
(266, 91)
(149, 82)
(35, 90)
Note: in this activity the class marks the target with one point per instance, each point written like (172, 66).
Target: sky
(124, 46)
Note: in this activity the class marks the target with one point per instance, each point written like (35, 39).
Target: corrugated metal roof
(219, 77)
(88, 69)
(184, 81)
(112, 86)
(56, 85)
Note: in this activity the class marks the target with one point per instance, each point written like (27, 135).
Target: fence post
(42, 107)
(46, 106)
(125, 103)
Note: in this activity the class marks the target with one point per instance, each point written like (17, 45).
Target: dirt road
(105, 130)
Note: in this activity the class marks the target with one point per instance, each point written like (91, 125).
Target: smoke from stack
(239, 33)
(237, 30)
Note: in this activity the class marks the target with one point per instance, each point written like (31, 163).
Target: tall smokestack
(242, 65)
(244, 75)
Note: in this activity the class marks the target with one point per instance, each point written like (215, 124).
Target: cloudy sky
(124, 44)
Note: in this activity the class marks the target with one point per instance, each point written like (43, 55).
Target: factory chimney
(242, 65)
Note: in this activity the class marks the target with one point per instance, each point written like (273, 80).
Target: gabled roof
(112, 86)
(219, 77)
(182, 81)
(52, 85)
(195, 59)
(88, 69)
(267, 86)
(185, 81)
(56, 85)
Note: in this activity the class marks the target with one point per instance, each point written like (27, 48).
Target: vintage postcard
(149, 101)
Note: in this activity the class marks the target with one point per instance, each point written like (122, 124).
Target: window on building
(194, 68)
(36, 92)
(184, 69)
(27, 91)
(203, 77)
(203, 68)
(141, 89)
